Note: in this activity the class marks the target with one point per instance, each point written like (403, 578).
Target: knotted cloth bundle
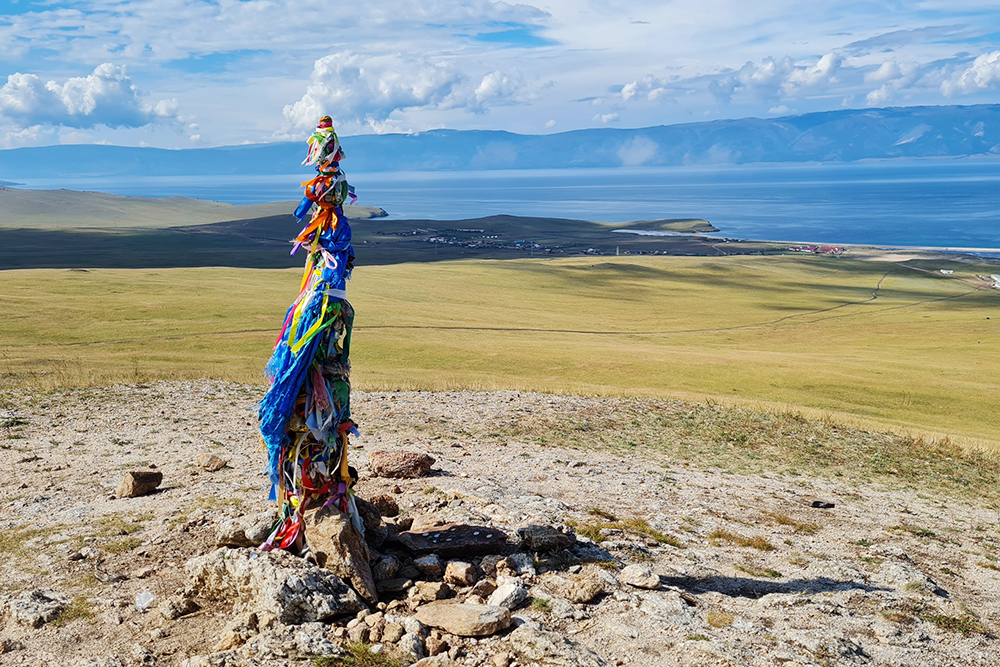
(305, 417)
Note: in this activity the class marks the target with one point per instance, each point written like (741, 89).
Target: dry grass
(755, 542)
(754, 571)
(719, 619)
(79, 609)
(965, 623)
(776, 332)
(787, 365)
(635, 525)
(359, 655)
(119, 546)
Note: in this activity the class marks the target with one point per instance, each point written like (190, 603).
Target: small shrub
(540, 604)
(698, 638)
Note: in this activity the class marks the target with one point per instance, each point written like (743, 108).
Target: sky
(199, 73)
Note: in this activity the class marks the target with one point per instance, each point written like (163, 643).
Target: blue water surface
(951, 203)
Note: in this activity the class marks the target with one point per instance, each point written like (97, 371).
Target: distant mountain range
(831, 136)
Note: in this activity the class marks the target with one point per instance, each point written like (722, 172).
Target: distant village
(819, 249)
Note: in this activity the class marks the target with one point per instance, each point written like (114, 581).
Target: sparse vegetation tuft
(78, 609)
(916, 531)
(759, 572)
(719, 619)
(636, 525)
(15, 541)
(965, 623)
(756, 542)
(113, 525)
(541, 604)
(358, 655)
(125, 544)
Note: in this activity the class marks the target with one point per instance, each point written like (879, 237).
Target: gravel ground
(885, 577)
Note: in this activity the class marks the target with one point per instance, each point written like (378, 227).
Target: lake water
(938, 203)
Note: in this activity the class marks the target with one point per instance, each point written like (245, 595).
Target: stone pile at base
(424, 594)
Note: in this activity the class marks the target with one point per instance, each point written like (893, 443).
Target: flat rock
(578, 588)
(399, 464)
(336, 545)
(465, 620)
(429, 591)
(639, 576)
(668, 606)
(138, 483)
(541, 538)
(454, 541)
(211, 462)
(535, 646)
(276, 586)
(246, 531)
(35, 608)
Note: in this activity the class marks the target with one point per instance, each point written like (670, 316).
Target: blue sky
(184, 73)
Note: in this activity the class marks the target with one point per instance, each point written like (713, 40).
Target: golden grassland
(893, 345)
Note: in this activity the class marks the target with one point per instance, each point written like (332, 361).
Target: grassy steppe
(803, 332)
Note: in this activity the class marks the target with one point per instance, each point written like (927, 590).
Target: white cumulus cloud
(360, 90)
(984, 73)
(773, 78)
(648, 88)
(894, 78)
(500, 88)
(105, 97)
(367, 89)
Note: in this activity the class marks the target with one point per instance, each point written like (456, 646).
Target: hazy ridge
(66, 209)
(844, 135)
